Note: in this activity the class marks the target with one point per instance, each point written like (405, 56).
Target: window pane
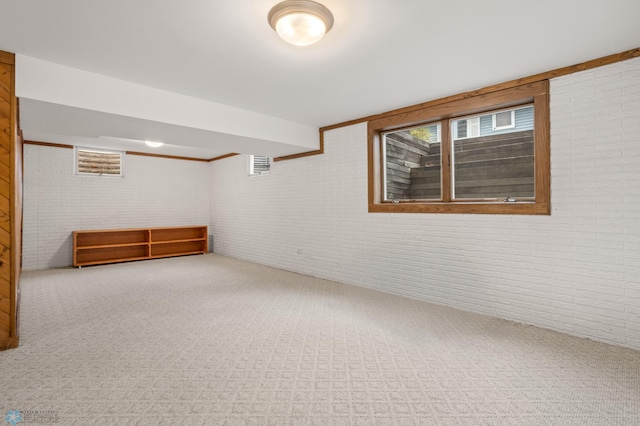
(503, 119)
(412, 163)
(461, 129)
(496, 165)
(259, 164)
(473, 125)
(99, 162)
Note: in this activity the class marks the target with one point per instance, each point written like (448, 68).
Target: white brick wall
(154, 192)
(576, 271)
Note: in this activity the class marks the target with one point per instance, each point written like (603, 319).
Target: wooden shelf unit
(96, 247)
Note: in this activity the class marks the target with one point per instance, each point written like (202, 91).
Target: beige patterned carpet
(208, 340)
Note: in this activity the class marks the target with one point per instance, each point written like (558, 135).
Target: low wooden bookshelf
(96, 247)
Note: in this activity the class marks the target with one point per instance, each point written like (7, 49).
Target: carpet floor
(209, 340)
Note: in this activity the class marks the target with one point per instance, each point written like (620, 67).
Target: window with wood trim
(98, 162)
(474, 154)
(259, 165)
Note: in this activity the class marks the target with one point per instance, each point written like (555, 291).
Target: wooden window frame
(536, 93)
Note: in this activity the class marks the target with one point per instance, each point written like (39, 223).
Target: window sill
(500, 207)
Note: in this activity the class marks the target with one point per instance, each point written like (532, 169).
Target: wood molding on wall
(143, 154)
(606, 60)
(222, 157)
(284, 157)
(304, 154)
(10, 205)
(53, 145)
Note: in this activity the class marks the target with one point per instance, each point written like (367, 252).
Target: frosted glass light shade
(300, 22)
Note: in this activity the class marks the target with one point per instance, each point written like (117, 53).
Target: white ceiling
(380, 55)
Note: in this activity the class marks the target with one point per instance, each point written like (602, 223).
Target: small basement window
(473, 154)
(98, 162)
(259, 165)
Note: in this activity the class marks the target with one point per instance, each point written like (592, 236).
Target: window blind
(99, 162)
(260, 164)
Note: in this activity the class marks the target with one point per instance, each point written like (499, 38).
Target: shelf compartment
(110, 237)
(178, 248)
(177, 241)
(159, 235)
(111, 245)
(111, 254)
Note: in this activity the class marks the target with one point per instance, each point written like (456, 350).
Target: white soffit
(52, 85)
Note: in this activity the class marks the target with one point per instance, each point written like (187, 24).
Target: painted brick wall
(576, 271)
(154, 192)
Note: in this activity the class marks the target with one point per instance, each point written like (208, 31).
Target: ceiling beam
(228, 127)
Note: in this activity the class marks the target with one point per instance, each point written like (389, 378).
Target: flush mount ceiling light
(300, 22)
(154, 144)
